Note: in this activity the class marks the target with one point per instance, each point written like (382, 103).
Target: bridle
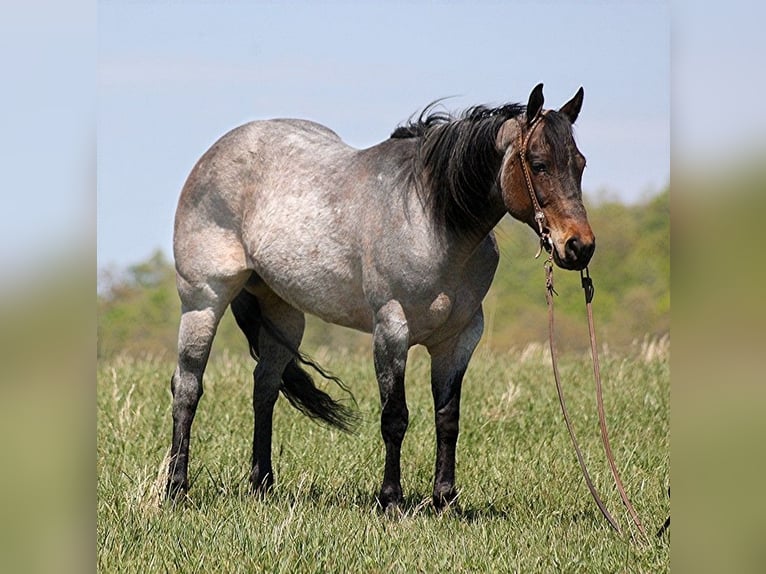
(587, 285)
(545, 240)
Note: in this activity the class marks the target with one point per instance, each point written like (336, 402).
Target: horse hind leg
(274, 330)
(202, 305)
(247, 314)
(274, 348)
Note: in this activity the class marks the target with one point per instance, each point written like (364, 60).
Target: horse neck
(465, 197)
(465, 242)
(394, 157)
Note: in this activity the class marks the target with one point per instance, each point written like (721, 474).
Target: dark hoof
(176, 490)
(444, 497)
(260, 485)
(390, 498)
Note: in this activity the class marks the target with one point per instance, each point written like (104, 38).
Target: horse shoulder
(487, 257)
(477, 277)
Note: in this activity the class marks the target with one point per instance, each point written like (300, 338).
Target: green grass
(523, 506)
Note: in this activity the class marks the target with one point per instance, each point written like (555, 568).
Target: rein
(588, 288)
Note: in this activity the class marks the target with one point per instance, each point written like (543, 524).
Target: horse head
(541, 175)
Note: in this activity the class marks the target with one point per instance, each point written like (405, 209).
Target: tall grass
(523, 506)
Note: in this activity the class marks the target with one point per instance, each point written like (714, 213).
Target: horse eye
(538, 167)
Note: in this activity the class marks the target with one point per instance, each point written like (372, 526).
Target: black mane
(457, 160)
(430, 118)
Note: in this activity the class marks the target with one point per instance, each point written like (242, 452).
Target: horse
(280, 218)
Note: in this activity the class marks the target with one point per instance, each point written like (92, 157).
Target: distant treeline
(138, 308)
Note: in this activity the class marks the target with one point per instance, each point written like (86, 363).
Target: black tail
(298, 388)
(297, 385)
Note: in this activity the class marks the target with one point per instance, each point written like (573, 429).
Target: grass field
(523, 505)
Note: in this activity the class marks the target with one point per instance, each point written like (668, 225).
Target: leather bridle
(587, 285)
(545, 240)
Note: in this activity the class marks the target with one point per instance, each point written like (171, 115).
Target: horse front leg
(449, 361)
(390, 346)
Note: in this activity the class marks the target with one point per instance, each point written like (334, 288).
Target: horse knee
(394, 421)
(447, 426)
(391, 336)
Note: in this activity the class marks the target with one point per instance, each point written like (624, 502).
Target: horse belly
(318, 277)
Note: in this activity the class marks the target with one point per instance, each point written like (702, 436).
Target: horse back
(275, 197)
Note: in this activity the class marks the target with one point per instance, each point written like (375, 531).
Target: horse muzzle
(577, 252)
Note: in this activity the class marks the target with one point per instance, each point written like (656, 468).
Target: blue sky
(173, 77)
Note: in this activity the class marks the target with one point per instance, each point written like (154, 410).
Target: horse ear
(572, 108)
(535, 103)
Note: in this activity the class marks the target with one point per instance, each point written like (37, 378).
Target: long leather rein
(587, 285)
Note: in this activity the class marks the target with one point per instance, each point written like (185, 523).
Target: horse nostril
(577, 251)
(573, 248)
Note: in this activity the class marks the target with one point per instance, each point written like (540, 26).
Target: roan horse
(281, 218)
